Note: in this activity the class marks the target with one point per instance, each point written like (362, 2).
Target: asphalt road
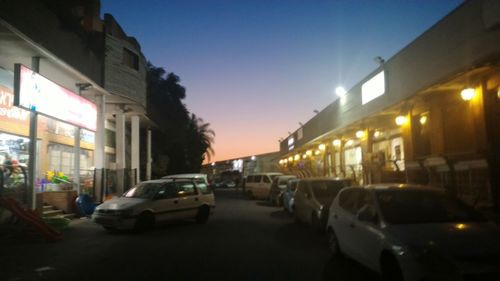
(244, 240)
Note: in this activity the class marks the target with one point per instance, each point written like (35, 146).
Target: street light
(340, 91)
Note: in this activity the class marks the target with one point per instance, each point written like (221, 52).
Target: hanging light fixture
(468, 94)
(336, 142)
(360, 134)
(401, 120)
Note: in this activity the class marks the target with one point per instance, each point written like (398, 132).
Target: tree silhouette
(181, 140)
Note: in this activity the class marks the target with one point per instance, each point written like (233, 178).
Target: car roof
(398, 186)
(162, 180)
(326, 179)
(185, 176)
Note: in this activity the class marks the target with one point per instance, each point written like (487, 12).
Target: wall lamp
(467, 94)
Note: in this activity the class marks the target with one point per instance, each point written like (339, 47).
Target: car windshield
(327, 189)
(143, 190)
(423, 206)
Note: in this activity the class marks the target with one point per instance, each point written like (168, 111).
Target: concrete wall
(462, 40)
(81, 49)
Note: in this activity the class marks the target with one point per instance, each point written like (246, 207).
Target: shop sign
(7, 108)
(34, 92)
(373, 88)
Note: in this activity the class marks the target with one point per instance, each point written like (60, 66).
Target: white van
(258, 185)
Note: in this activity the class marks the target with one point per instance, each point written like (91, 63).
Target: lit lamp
(290, 159)
(322, 147)
(360, 134)
(377, 134)
(317, 152)
(468, 94)
(336, 142)
(309, 153)
(340, 91)
(400, 120)
(297, 157)
(423, 119)
(349, 143)
(304, 156)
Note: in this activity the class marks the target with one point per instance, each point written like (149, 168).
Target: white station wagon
(156, 201)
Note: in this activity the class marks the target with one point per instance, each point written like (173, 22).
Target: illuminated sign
(34, 92)
(373, 88)
(7, 107)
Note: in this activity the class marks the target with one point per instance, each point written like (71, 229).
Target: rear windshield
(327, 189)
(423, 206)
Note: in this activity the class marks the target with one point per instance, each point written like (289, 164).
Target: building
(428, 115)
(68, 46)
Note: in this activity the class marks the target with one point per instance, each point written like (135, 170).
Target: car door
(343, 217)
(188, 199)
(265, 186)
(365, 231)
(302, 196)
(165, 202)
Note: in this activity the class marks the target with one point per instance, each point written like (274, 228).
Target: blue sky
(254, 69)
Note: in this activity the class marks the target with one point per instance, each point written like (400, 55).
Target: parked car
(157, 201)
(408, 232)
(257, 186)
(278, 186)
(288, 195)
(314, 197)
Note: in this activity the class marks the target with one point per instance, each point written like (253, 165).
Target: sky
(254, 69)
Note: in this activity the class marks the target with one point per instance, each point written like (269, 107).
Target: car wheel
(391, 271)
(203, 214)
(145, 221)
(333, 243)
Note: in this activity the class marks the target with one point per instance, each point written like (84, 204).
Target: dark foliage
(181, 140)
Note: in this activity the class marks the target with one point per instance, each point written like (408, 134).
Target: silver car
(413, 233)
(157, 201)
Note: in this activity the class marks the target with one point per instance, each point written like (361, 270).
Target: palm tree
(201, 138)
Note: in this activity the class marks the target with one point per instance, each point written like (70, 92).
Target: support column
(149, 160)
(135, 147)
(99, 153)
(121, 164)
(31, 192)
(76, 161)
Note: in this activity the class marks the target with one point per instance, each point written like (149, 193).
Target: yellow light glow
(290, 159)
(309, 152)
(322, 147)
(285, 161)
(377, 134)
(297, 157)
(349, 143)
(360, 134)
(460, 226)
(317, 152)
(423, 119)
(468, 94)
(337, 142)
(304, 156)
(400, 120)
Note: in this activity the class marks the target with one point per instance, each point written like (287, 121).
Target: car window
(202, 186)
(293, 185)
(257, 178)
(267, 179)
(143, 190)
(168, 190)
(185, 189)
(348, 200)
(250, 179)
(423, 206)
(326, 189)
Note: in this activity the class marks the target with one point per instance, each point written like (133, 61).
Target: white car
(413, 233)
(157, 201)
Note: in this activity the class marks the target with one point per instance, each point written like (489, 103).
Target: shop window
(61, 159)
(110, 138)
(420, 133)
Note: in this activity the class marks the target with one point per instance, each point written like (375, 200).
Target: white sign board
(373, 88)
(34, 92)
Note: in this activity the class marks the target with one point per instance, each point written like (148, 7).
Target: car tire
(145, 221)
(391, 271)
(333, 244)
(203, 214)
